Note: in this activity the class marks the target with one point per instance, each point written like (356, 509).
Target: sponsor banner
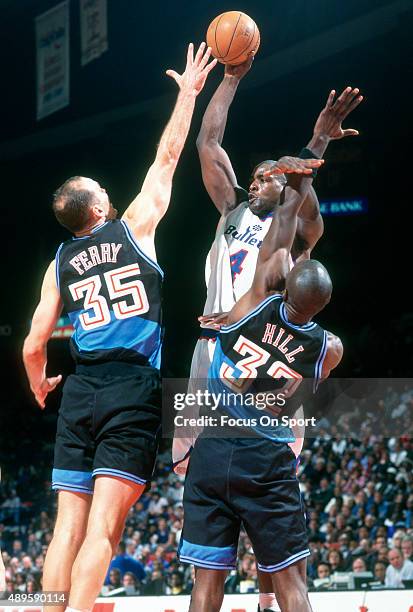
(93, 28)
(351, 206)
(355, 601)
(52, 57)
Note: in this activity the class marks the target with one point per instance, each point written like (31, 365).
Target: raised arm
(272, 265)
(35, 346)
(217, 171)
(150, 205)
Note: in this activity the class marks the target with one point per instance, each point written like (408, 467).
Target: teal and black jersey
(264, 352)
(111, 291)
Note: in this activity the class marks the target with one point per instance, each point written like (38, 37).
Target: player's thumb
(350, 133)
(54, 381)
(174, 75)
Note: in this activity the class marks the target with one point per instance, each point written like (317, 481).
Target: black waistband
(115, 368)
(207, 333)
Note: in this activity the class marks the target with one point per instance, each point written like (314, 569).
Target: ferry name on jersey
(106, 252)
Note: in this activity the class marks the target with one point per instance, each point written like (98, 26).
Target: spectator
(407, 547)
(380, 572)
(335, 561)
(157, 504)
(115, 579)
(398, 570)
(176, 584)
(323, 570)
(125, 563)
(358, 566)
(130, 583)
(156, 585)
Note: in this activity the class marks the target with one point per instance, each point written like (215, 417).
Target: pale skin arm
(151, 204)
(35, 345)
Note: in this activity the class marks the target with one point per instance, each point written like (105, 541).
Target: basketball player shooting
(245, 219)
(265, 499)
(108, 280)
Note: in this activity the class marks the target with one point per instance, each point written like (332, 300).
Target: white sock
(69, 609)
(268, 602)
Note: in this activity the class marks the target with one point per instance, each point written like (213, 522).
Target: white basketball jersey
(229, 272)
(232, 259)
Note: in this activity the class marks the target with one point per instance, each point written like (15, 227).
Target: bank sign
(354, 206)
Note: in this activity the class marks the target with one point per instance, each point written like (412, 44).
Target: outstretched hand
(333, 114)
(214, 320)
(192, 80)
(47, 385)
(240, 70)
(294, 165)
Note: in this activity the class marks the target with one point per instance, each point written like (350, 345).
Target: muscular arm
(333, 356)
(34, 350)
(310, 227)
(217, 171)
(151, 204)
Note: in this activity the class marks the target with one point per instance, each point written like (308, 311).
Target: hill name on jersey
(281, 343)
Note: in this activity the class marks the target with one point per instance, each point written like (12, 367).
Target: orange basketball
(233, 36)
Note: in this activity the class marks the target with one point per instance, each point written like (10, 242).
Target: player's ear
(97, 210)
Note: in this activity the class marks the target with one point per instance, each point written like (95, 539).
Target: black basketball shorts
(251, 481)
(109, 424)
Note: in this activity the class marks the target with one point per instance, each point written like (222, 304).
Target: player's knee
(200, 598)
(69, 532)
(294, 600)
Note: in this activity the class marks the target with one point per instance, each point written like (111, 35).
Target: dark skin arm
(217, 171)
(310, 224)
(272, 265)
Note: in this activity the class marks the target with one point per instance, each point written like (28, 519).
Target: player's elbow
(32, 348)
(206, 142)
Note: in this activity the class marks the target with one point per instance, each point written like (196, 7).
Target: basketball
(233, 36)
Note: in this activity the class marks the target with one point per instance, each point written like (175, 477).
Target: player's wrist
(232, 79)
(187, 93)
(322, 137)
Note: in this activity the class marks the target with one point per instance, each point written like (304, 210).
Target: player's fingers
(40, 401)
(54, 381)
(190, 54)
(330, 98)
(353, 104)
(204, 59)
(210, 66)
(199, 54)
(350, 132)
(341, 100)
(313, 162)
(350, 99)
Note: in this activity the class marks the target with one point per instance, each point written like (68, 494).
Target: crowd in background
(357, 488)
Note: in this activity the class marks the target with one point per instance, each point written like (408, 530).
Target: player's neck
(294, 316)
(88, 230)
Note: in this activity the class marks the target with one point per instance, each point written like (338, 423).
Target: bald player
(245, 220)
(269, 336)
